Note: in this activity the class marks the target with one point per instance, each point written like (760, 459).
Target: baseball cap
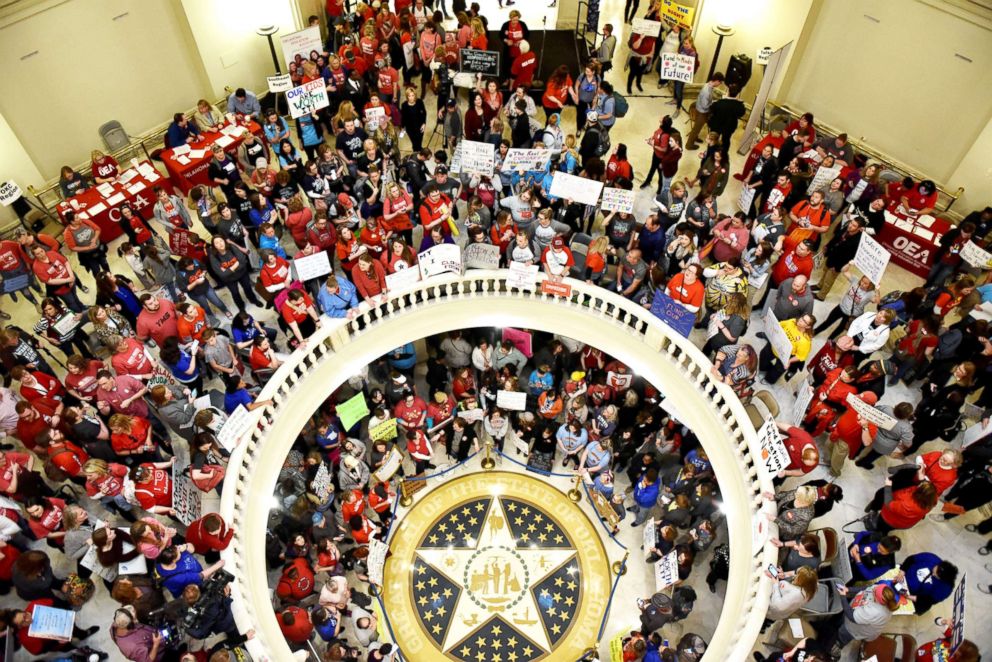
(441, 170)
(345, 201)
(592, 116)
(557, 243)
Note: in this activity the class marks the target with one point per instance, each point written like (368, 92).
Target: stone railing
(481, 298)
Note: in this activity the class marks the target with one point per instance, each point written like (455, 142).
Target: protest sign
(9, 191)
(871, 258)
(645, 27)
(312, 266)
(780, 342)
(619, 382)
(307, 98)
(185, 497)
(321, 486)
(674, 13)
(616, 648)
(869, 413)
(666, 571)
(279, 83)
(957, 615)
(803, 398)
(526, 159)
(976, 256)
(51, 623)
(763, 55)
(352, 410)
(384, 431)
(977, 431)
(375, 113)
(475, 61)
(376, 560)
(821, 180)
(511, 400)
(181, 243)
(455, 165)
(522, 340)
(136, 566)
(66, 324)
(238, 424)
(478, 157)
(746, 198)
(440, 259)
(578, 189)
(773, 451)
(672, 313)
(392, 463)
(676, 66)
(617, 199)
(522, 276)
(650, 537)
(481, 256)
(301, 43)
(401, 279)
(471, 415)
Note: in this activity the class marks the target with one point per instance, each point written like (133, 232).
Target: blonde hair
(96, 466)
(805, 496)
(120, 423)
(598, 245)
(806, 581)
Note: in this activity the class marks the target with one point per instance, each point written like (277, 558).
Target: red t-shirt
(109, 485)
(56, 268)
(941, 478)
(691, 295)
(132, 361)
(189, 331)
(133, 440)
(85, 383)
(410, 414)
(50, 520)
(68, 457)
(301, 629)
(12, 458)
(158, 325)
(523, 69)
(790, 264)
(290, 314)
(157, 491)
(12, 258)
(105, 167)
(796, 440)
(34, 645)
(431, 211)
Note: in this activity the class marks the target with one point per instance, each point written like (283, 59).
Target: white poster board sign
(376, 560)
(185, 497)
(617, 199)
(746, 198)
(238, 424)
(312, 266)
(9, 191)
(645, 27)
(869, 413)
(51, 623)
(977, 431)
(650, 537)
(821, 180)
(375, 113)
(579, 189)
(307, 98)
(481, 256)
(478, 157)
(776, 336)
(526, 159)
(976, 256)
(666, 571)
(390, 466)
(401, 279)
(764, 54)
(871, 258)
(803, 398)
(279, 83)
(440, 259)
(301, 43)
(676, 66)
(514, 400)
(522, 276)
(773, 451)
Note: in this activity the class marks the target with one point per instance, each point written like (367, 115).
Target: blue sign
(672, 313)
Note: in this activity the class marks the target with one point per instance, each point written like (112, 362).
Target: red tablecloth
(137, 192)
(911, 250)
(187, 175)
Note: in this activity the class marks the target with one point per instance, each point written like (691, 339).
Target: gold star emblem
(441, 611)
(421, 569)
(556, 597)
(466, 511)
(549, 527)
(497, 643)
(465, 651)
(559, 540)
(571, 586)
(512, 507)
(422, 600)
(480, 656)
(428, 615)
(436, 629)
(528, 651)
(556, 628)
(569, 601)
(481, 642)
(497, 630)
(538, 517)
(421, 586)
(496, 656)
(511, 656)
(433, 539)
(552, 613)
(531, 527)
(559, 581)
(442, 527)
(480, 506)
(446, 592)
(435, 596)
(543, 537)
(472, 521)
(525, 512)
(454, 517)
(461, 528)
(432, 581)
(512, 642)
(449, 537)
(519, 521)
(525, 537)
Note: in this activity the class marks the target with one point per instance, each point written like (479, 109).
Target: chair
(114, 136)
(580, 248)
(890, 176)
(828, 545)
(825, 603)
(890, 648)
(754, 413)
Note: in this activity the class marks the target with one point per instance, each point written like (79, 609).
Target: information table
(188, 167)
(102, 204)
(912, 242)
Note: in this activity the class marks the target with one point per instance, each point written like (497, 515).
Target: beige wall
(896, 82)
(16, 165)
(89, 69)
(975, 174)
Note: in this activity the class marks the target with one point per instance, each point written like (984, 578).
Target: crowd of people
(103, 374)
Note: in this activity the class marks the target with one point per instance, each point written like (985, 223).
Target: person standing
(700, 111)
(725, 114)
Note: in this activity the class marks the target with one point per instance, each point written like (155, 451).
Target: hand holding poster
(181, 243)
(617, 199)
(676, 66)
(522, 340)
(440, 259)
(401, 279)
(666, 571)
(672, 313)
(746, 199)
(376, 560)
(677, 14)
(646, 27)
(522, 276)
(871, 258)
(352, 410)
(391, 464)
(312, 266)
(481, 256)
(51, 623)
(526, 159)
(238, 424)
(384, 431)
(773, 451)
(803, 398)
(512, 400)
(307, 98)
(185, 497)
(869, 413)
(579, 189)
(821, 180)
(650, 537)
(478, 157)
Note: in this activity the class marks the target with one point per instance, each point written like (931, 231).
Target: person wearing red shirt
(920, 199)
(275, 275)
(685, 289)
(373, 237)
(18, 477)
(641, 54)
(905, 508)
(514, 32)
(82, 237)
(30, 422)
(411, 412)
(296, 582)
(104, 479)
(381, 500)
(80, 377)
(36, 385)
(8, 556)
(387, 80)
(157, 319)
(851, 434)
(435, 210)
(797, 258)
(939, 467)
(348, 248)
(153, 486)
(354, 504)
(131, 435)
(618, 166)
(262, 356)
(803, 454)
(810, 219)
(14, 263)
(209, 535)
(369, 277)
(362, 530)
(44, 515)
(62, 453)
(295, 625)
(299, 316)
(130, 358)
(420, 449)
(943, 650)
(829, 399)
(36, 646)
(557, 91)
(523, 67)
(53, 270)
(557, 259)
(440, 410)
(396, 207)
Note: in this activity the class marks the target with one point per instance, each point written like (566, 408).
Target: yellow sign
(680, 15)
(385, 430)
(616, 648)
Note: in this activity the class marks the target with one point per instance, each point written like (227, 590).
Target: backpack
(620, 105)
(930, 300)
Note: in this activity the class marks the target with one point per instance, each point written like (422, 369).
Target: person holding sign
(943, 649)
(799, 333)
(850, 434)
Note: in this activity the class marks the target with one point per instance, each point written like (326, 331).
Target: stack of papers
(197, 153)
(923, 232)
(146, 169)
(904, 225)
(98, 208)
(106, 189)
(182, 149)
(224, 141)
(137, 188)
(926, 220)
(183, 160)
(233, 130)
(115, 200)
(127, 176)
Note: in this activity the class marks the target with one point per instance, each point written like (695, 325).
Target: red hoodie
(296, 588)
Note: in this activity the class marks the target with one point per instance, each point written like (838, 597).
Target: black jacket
(725, 114)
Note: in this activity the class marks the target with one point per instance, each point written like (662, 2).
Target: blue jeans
(72, 302)
(207, 299)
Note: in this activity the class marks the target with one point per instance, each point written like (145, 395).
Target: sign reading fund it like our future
(307, 98)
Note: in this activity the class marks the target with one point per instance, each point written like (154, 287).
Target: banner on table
(871, 258)
(352, 410)
(481, 256)
(475, 61)
(678, 67)
(278, 84)
(402, 279)
(578, 189)
(440, 259)
(646, 27)
(680, 15)
(617, 199)
(526, 159)
(307, 98)
(513, 400)
(9, 191)
(385, 431)
(666, 571)
(803, 397)
(780, 342)
(672, 313)
(478, 157)
(746, 198)
(869, 413)
(821, 180)
(312, 266)
(238, 424)
(301, 43)
(773, 451)
(522, 276)
(976, 256)
(522, 340)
